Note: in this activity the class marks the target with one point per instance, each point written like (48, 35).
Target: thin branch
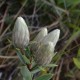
(9, 57)
(59, 70)
(2, 25)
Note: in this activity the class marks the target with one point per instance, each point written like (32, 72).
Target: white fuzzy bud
(53, 36)
(44, 54)
(43, 32)
(20, 34)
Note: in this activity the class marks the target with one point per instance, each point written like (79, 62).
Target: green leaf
(22, 58)
(76, 62)
(51, 65)
(26, 73)
(27, 52)
(20, 55)
(42, 69)
(35, 71)
(26, 59)
(45, 77)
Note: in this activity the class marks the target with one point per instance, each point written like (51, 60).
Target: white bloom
(20, 33)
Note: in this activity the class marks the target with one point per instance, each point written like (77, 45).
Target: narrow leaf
(26, 73)
(26, 59)
(20, 56)
(76, 62)
(51, 65)
(45, 77)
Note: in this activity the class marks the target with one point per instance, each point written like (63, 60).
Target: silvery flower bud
(20, 34)
(43, 32)
(44, 54)
(53, 36)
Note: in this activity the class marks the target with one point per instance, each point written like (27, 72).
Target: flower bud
(52, 37)
(41, 35)
(44, 54)
(20, 34)
(43, 32)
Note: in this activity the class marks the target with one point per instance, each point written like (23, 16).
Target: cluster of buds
(43, 45)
